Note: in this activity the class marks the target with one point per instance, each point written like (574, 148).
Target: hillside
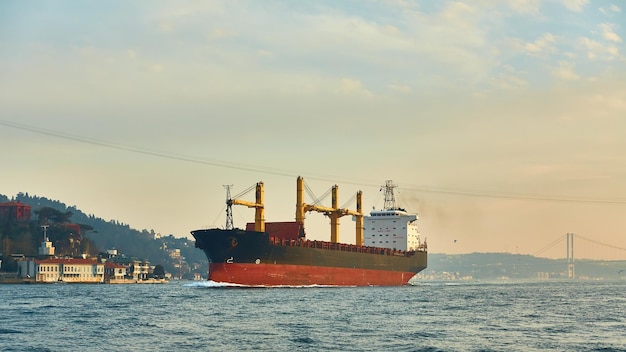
(112, 234)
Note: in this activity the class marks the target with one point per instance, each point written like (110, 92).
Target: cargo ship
(388, 249)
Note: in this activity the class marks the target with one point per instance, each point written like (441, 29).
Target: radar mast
(390, 199)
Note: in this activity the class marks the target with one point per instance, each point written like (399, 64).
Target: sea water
(429, 316)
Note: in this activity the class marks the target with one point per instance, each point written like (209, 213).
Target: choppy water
(432, 316)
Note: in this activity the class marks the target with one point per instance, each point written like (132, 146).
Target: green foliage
(48, 215)
(17, 237)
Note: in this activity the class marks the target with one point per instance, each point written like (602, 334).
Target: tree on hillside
(47, 215)
(84, 228)
(88, 247)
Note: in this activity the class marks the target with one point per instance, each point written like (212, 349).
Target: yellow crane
(334, 213)
(259, 214)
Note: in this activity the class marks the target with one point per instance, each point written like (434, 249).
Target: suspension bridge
(575, 247)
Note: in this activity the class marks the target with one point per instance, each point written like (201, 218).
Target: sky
(501, 122)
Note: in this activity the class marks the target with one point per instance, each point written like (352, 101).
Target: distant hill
(489, 266)
(112, 234)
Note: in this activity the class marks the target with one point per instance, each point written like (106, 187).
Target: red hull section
(300, 275)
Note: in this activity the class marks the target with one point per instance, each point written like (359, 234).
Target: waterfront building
(135, 269)
(114, 271)
(69, 270)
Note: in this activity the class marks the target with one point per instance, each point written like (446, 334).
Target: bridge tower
(570, 256)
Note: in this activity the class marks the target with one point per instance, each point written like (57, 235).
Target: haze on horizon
(502, 123)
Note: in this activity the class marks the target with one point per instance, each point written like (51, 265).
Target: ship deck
(345, 247)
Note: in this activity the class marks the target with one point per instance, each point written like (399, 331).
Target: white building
(135, 269)
(69, 270)
(114, 271)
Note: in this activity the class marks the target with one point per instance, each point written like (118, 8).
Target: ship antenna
(229, 208)
(390, 199)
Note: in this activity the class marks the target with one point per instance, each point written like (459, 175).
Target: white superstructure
(391, 227)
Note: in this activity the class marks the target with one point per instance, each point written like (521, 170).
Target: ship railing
(343, 247)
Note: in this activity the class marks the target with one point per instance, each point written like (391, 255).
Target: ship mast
(229, 209)
(259, 217)
(390, 199)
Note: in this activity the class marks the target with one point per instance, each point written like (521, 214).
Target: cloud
(575, 5)
(526, 6)
(509, 79)
(166, 26)
(457, 11)
(608, 32)
(565, 71)
(400, 88)
(221, 33)
(611, 103)
(610, 10)
(597, 50)
(543, 45)
(266, 54)
(352, 87)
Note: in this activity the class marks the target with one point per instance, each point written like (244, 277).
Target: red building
(15, 211)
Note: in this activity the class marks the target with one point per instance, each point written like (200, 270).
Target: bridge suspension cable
(601, 243)
(550, 245)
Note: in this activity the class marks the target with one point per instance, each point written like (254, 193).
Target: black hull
(250, 247)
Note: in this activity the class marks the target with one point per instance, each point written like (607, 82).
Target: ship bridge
(392, 227)
(392, 212)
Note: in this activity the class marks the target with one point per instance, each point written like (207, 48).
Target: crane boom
(259, 214)
(334, 212)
